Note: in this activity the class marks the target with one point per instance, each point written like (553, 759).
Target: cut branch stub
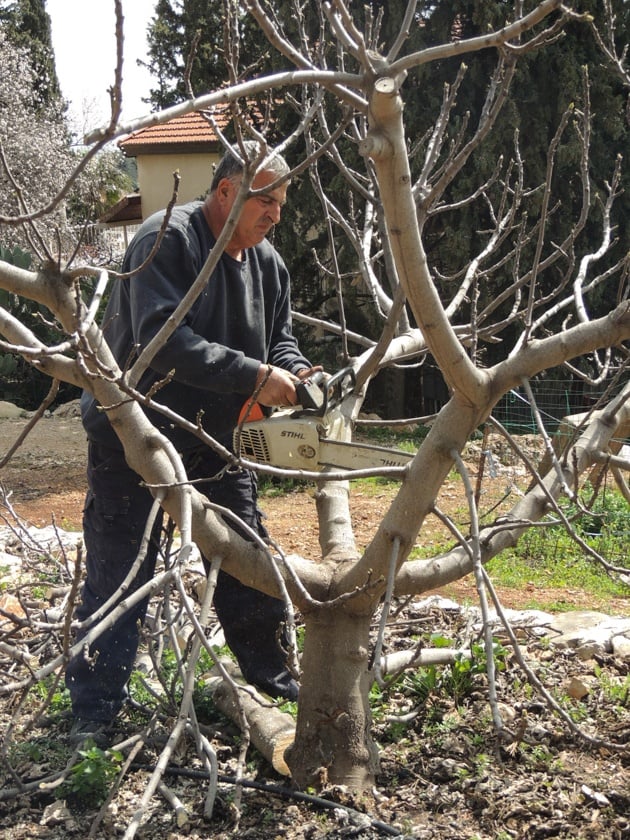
(376, 146)
(385, 105)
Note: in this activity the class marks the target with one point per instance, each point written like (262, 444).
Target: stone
(590, 633)
(9, 411)
(11, 605)
(621, 647)
(577, 688)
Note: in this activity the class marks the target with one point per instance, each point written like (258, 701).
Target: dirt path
(46, 475)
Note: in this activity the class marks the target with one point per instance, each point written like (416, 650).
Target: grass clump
(550, 557)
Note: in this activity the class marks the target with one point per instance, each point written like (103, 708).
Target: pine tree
(547, 83)
(177, 27)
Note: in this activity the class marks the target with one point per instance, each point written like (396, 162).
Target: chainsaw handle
(338, 387)
(334, 389)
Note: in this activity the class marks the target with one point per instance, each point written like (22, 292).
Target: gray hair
(231, 164)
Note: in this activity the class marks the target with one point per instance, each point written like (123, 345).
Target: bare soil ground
(443, 774)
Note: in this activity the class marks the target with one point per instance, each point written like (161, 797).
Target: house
(187, 145)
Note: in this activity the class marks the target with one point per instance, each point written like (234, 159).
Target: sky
(84, 41)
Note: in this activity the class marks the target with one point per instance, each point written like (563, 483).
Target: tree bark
(333, 743)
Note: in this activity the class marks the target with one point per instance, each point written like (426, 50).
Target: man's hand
(307, 372)
(277, 386)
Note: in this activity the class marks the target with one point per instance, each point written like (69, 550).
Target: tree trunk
(333, 743)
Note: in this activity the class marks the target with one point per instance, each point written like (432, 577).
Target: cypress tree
(27, 24)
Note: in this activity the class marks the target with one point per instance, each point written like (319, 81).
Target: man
(236, 338)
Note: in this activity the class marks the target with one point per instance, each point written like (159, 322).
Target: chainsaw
(311, 436)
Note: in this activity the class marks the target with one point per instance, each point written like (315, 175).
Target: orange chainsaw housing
(250, 412)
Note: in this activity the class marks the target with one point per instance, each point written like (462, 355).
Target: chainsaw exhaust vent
(253, 443)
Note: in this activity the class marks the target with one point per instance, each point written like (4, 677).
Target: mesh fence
(554, 398)
(607, 530)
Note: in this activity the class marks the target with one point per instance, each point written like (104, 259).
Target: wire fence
(607, 529)
(554, 398)
(105, 245)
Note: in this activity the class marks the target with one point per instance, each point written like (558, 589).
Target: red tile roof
(190, 132)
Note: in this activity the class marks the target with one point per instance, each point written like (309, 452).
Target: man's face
(259, 214)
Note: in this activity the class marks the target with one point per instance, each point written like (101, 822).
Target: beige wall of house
(155, 178)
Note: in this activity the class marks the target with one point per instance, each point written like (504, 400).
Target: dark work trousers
(114, 519)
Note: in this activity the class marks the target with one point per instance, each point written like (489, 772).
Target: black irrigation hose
(278, 790)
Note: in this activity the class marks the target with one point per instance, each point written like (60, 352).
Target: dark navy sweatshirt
(242, 318)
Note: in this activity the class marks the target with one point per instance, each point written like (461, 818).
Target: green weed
(428, 686)
(289, 706)
(59, 701)
(406, 438)
(271, 486)
(548, 557)
(551, 559)
(90, 778)
(540, 757)
(618, 691)
(43, 751)
(373, 485)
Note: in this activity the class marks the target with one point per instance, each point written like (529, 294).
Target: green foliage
(540, 757)
(299, 637)
(616, 690)
(139, 691)
(549, 557)
(105, 180)
(28, 25)
(91, 777)
(173, 29)
(10, 365)
(27, 750)
(426, 687)
(408, 438)
(14, 256)
(290, 707)
(170, 695)
(148, 696)
(272, 486)
(609, 516)
(546, 83)
(456, 680)
(46, 751)
(20, 382)
(59, 701)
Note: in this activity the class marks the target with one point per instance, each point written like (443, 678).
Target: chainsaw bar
(360, 456)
